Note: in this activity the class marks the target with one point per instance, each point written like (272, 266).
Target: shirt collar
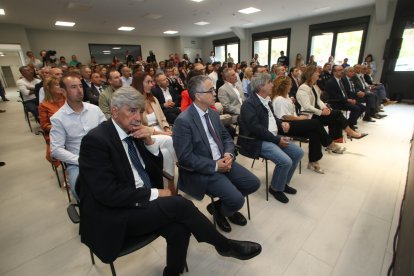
(200, 112)
(69, 109)
(121, 133)
(264, 101)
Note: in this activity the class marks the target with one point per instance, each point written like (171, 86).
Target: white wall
(14, 62)
(14, 34)
(67, 43)
(377, 33)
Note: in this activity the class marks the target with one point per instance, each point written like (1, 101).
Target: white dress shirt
(126, 81)
(167, 94)
(154, 149)
(213, 146)
(24, 86)
(272, 121)
(68, 129)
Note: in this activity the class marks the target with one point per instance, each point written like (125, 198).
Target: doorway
(11, 58)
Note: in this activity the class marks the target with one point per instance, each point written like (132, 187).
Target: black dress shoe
(368, 119)
(279, 196)
(221, 220)
(2, 164)
(290, 190)
(238, 218)
(5, 100)
(242, 250)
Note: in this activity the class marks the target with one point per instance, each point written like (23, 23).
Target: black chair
(131, 244)
(25, 110)
(181, 167)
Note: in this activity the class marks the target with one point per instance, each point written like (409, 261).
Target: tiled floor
(340, 223)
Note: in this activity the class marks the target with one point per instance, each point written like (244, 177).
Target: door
(8, 76)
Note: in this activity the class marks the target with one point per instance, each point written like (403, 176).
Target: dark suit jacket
(92, 94)
(294, 88)
(157, 92)
(37, 90)
(335, 93)
(357, 83)
(254, 123)
(85, 88)
(347, 85)
(193, 150)
(107, 189)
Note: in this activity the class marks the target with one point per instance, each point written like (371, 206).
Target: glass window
(278, 44)
(321, 47)
(220, 53)
(348, 45)
(405, 61)
(233, 49)
(261, 47)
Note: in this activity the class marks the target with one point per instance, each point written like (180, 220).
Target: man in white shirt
(26, 85)
(73, 121)
(258, 121)
(32, 60)
(230, 95)
(126, 76)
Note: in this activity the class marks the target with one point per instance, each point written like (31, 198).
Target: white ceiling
(105, 16)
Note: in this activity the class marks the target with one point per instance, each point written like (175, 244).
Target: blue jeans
(286, 161)
(73, 172)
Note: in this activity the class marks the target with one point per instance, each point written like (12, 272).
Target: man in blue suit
(205, 147)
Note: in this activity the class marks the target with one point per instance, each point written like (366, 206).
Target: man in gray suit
(231, 96)
(204, 146)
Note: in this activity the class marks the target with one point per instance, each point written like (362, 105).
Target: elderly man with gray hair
(122, 193)
(258, 121)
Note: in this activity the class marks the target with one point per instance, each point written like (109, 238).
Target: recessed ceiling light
(170, 32)
(116, 48)
(65, 24)
(197, 0)
(249, 10)
(106, 53)
(2, 12)
(128, 29)
(202, 23)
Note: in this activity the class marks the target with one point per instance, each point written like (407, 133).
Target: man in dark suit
(86, 73)
(121, 192)
(96, 89)
(203, 145)
(167, 97)
(340, 99)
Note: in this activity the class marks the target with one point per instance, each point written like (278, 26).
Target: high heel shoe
(357, 137)
(336, 149)
(314, 166)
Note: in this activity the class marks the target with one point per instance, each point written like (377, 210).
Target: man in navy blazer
(121, 193)
(339, 98)
(167, 97)
(204, 146)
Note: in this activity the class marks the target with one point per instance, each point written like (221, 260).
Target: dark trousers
(32, 107)
(335, 121)
(171, 114)
(174, 218)
(371, 103)
(315, 132)
(355, 110)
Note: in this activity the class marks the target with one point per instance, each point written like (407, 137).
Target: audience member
(115, 82)
(96, 89)
(26, 85)
(247, 76)
(166, 97)
(126, 76)
(283, 60)
(229, 95)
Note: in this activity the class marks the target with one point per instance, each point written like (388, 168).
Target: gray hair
(196, 84)
(128, 95)
(347, 69)
(258, 81)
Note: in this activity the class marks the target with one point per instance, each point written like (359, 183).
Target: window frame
(340, 26)
(269, 36)
(224, 42)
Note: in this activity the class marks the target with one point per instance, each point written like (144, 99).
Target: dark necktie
(363, 82)
(133, 155)
(351, 85)
(316, 98)
(214, 134)
(342, 88)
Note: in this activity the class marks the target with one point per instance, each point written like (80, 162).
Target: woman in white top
(155, 119)
(248, 73)
(300, 125)
(308, 96)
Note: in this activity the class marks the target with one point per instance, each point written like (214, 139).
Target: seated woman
(248, 74)
(53, 101)
(155, 119)
(300, 125)
(308, 96)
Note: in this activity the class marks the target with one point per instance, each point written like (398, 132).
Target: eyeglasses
(211, 90)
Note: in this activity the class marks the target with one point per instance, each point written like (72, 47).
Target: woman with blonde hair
(248, 74)
(308, 96)
(300, 125)
(155, 119)
(54, 100)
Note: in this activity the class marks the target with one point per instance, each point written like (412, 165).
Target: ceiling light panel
(2, 12)
(65, 23)
(127, 29)
(249, 10)
(197, 0)
(202, 23)
(170, 32)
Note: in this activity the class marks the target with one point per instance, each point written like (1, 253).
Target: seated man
(167, 97)
(115, 82)
(257, 120)
(203, 145)
(96, 89)
(121, 192)
(26, 85)
(340, 99)
(73, 120)
(230, 95)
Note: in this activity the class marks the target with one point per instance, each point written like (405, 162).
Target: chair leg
(253, 163)
(267, 183)
(300, 162)
(186, 266)
(66, 183)
(113, 269)
(92, 258)
(248, 207)
(57, 175)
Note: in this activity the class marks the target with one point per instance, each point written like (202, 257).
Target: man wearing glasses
(206, 149)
